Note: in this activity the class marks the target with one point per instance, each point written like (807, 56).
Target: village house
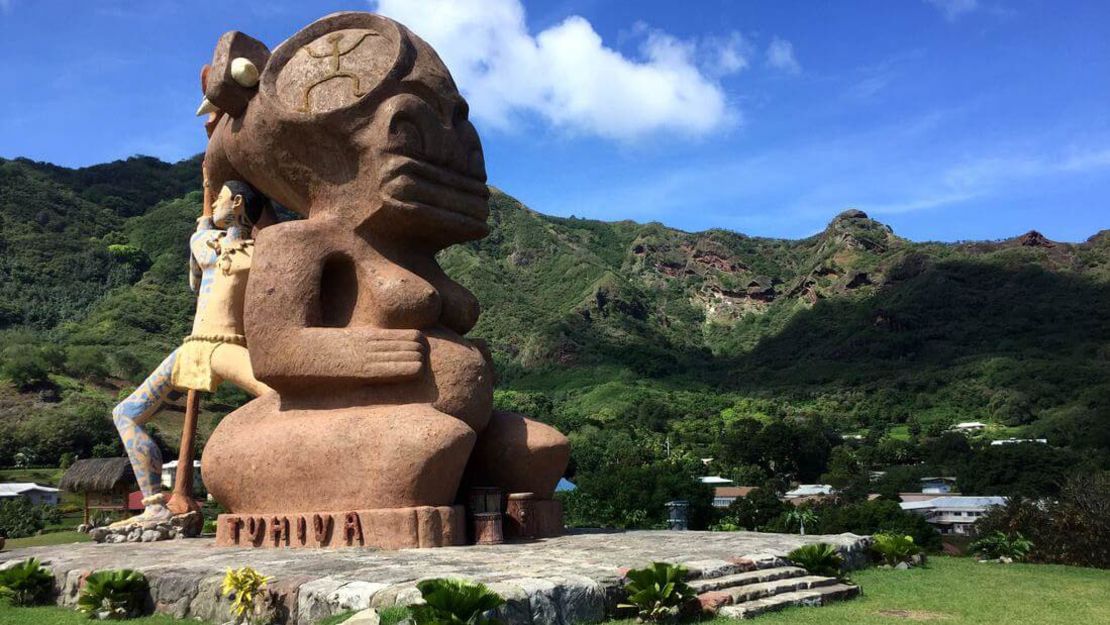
(36, 494)
(169, 475)
(951, 514)
(723, 496)
(938, 485)
(809, 493)
(105, 484)
(969, 427)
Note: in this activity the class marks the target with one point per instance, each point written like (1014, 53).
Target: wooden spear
(181, 501)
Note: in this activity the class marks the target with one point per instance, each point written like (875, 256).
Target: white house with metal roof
(37, 495)
(953, 514)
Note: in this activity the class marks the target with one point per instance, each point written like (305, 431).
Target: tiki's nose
(206, 107)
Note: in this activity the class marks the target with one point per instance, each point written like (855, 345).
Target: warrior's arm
(201, 254)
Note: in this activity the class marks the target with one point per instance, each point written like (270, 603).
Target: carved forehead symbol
(335, 52)
(335, 69)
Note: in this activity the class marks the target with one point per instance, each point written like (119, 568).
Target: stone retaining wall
(558, 581)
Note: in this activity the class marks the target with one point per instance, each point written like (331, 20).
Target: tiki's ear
(232, 78)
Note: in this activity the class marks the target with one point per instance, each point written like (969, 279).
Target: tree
(801, 516)
(757, 509)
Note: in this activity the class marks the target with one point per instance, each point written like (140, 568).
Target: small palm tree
(455, 602)
(801, 516)
(27, 583)
(818, 559)
(658, 592)
(113, 595)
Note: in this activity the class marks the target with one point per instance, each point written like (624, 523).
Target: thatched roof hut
(98, 475)
(105, 483)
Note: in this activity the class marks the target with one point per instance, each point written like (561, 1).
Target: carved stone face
(357, 118)
(430, 165)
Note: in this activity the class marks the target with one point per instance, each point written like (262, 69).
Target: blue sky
(947, 119)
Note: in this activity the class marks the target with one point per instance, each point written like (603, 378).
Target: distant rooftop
(714, 479)
(808, 490)
(15, 489)
(969, 425)
(954, 502)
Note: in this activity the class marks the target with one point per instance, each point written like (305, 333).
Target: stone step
(707, 569)
(748, 577)
(752, 592)
(813, 597)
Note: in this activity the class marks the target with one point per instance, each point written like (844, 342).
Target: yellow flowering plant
(247, 589)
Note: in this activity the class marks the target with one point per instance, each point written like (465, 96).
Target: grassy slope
(598, 316)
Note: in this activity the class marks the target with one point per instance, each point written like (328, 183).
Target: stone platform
(555, 581)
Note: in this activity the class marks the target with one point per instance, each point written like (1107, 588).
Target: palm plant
(455, 602)
(818, 559)
(26, 583)
(113, 595)
(658, 592)
(894, 548)
(801, 516)
(1001, 545)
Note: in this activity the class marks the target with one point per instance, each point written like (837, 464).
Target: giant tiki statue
(382, 412)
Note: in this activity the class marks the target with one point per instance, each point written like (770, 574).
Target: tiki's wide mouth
(420, 185)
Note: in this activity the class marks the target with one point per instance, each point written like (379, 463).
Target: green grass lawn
(960, 591)
(49, 538)
(61, 616)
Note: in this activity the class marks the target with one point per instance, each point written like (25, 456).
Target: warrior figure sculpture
(220, 259)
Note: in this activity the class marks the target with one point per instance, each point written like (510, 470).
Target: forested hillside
(641, 341)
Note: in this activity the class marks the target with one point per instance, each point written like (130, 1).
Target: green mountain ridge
(595, 324)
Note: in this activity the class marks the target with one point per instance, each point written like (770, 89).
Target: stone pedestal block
(389, 528)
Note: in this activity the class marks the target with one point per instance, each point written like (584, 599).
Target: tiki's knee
(519, 455)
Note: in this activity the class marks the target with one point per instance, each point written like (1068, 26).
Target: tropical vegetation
(650, 347)
(113, 595)
(659, 592)
(455, 602)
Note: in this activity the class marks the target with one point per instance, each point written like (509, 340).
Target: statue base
(383, 528)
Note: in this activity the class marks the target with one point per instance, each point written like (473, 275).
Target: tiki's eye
(406, 137)
(461, 113)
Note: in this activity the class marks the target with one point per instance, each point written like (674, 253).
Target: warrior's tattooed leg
(146, 460)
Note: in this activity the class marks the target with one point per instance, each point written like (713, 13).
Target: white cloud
(953, 9)
(727, 55)
(567, 76)
(780, 55)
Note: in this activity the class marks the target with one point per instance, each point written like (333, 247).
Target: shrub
(394, 614)
(113, 595)
(26, 583)
(894, 548)
(455, 602)
(872, 517)
(25, 367)
(999, 545)
(247, 589)
(818, 559)
(20, 519)
(658, 592)
(1070, 529)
